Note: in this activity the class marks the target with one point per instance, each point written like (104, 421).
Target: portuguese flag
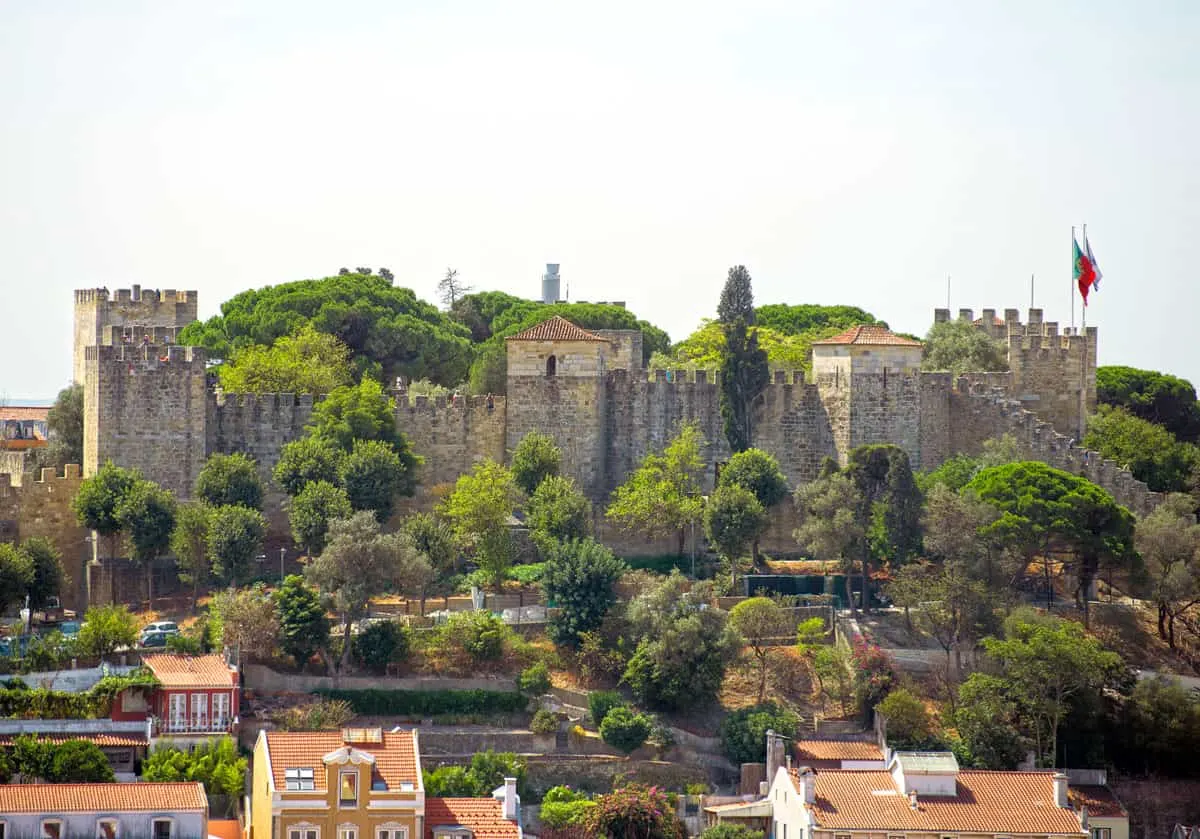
(1085, 271)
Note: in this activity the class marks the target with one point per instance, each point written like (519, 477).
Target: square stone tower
(96, 315)
(868, 380)
(556, 385)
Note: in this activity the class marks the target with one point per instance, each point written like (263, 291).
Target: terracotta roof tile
(986, 802)
(175, 670)
(23, 413)
(484, 817)
(1100, 801)
(837, 750)
(869, 336)
(556, 328)
(395, 757)
(104, 740)
(87, 798)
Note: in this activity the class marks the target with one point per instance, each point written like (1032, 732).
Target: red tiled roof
(996, 321)
(24, 413)
(556, 328)
(103, 740)
(224, 829)
(483, 816)
(175, 670)
(109, 798)
(986, 802)
(395, 757)
(869, 336)
(837, 750)
(1100, 801)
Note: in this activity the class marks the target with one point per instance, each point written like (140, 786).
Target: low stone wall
(467, 740)
(262, 678)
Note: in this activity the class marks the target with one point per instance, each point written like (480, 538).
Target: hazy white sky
(845, 152)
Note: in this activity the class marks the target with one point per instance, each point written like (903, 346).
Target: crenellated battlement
(146, 353)
(48, 481)
(162, 335)
(442, 403)
(1010, 326)
(262, 401)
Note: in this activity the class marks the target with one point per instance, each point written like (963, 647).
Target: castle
(149, 404)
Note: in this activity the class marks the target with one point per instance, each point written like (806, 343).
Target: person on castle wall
(491, 403)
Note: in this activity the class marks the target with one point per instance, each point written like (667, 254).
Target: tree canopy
(230, 479)
(535, 458)
(664, 491)
(744, 371)
(579, 578)
(308, 361)
(958, 346)
(1146, 449)
(1159, 398)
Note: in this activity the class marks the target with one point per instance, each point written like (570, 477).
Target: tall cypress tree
(744, 371)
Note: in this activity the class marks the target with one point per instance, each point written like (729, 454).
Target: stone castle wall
(97, 312)
(42, 507)
(452, 435)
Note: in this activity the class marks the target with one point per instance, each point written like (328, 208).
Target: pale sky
(845, 152)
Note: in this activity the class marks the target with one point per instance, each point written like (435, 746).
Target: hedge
(428, 703)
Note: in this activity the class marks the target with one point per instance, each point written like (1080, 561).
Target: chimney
(912, 799)
(774, 755)
(763, 789)
(510, 799)
(808, 785)
(1060, 790)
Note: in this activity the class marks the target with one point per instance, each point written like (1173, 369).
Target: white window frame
(300, 779)
(167, 820)
(220, 710)
(347, 773)
(46, 823)
(1101, 832)
(388, 830)
(301, 831)
(347, 831)
(199, 711)
(177, 711)
(116, 824)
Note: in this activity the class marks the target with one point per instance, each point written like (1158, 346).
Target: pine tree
(744, 371)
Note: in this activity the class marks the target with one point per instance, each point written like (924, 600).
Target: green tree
(958, 528)
(744, 731)
(1048, 661)
(306, 460)
(535, 458)
(810, 317)
(1158, 730)
(189, 543)
(359, 412)
(760, 621)
(988, 719)
(388, 330)
(1147, 450)
(624, 729)
(235, 537)
(733, 521)
(489, 370)
(1156, 397)
(307, 361)
(373, 475)
(744, 371)
(64, 422)
(106, 629)
(311, 511)
(478, 311)
(885, 479)
(304, 628)
(961, 347)
(434, 539)
(580, 578)
(98, 499)
(1168, 540)
(664, 491)
(229, 479)
(358, 563)
(831, 524)
(909, 724)
(557, 511)
(1039, 503)
(16, 576)
(79, 762)
(634, 812)
(248, 620)
(479, 509)
(381, 644)
(147, 514)
(49, 576)
(214, 763)
(759, 472)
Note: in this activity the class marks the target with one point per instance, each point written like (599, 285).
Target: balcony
(193, 725)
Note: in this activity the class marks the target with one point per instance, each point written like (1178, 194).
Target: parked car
(17, 645)
(154, 639)
(70, 629)
(170, 627)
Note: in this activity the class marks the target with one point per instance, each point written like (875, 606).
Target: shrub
(216, 764)
(428, 703)
(598, 664)
(543, 722)
(731, 831)
(535, 679)
(563, 807)
(327, 715)
(600, 702)
(624, 729)
(480, 635)
(72, 761)
(635, 811)
(874, 673)
(380, 644)
(909, 725)
(486, 772)
(744, 732)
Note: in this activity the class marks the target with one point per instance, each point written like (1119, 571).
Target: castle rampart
(42, 507)
(96, 312)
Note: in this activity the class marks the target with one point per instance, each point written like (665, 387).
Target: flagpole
(1083, 382)
(1071, 279)
(1083, 314)
(947, 291)
(1031, 291)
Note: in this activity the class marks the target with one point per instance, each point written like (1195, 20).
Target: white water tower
(551, 283)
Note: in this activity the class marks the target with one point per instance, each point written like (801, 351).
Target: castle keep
(149, 404)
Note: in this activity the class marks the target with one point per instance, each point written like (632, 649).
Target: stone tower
(868, 379)
(556, 385)
(97, 314)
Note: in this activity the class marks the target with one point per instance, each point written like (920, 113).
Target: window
(392, 831)
(162, 829)
(551, 366)
(348, 788)
(200, 711)
(52, 829)
(106, 829)
(298, 779)
(1101, 833)
(304, 831)
(347, 831)
(841, 836)
(220, 711)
